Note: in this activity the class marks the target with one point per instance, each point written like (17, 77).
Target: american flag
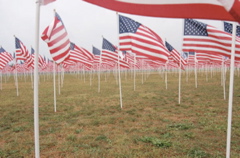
(191, 58)
(5, 58)
(55, 35)
(77, 55)
(203, 38)
(109, 53)
(176, 56)
(140, 40)
(30, 59)
(97, 54)
(199, 9)
(45, 2)
(228, 28)
(21, 50)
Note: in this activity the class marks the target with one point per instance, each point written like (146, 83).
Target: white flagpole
(166, 74)
(230, 99)
(134, 73)
(59, 78)
(99, 68)
(1, 80)
(119, 74)
(36, 112)
(179, 84)
(54, 86)
(16, 76)
(195, 69)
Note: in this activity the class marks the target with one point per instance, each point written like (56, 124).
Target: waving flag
(141, 40)
(109, 51)
(97, 55)
(228, 28)
(5, 58)
(21, 50)
(55, 35)
(199, 9)
(176, 56)
(203, 38)
(30, 59)
(77, 55)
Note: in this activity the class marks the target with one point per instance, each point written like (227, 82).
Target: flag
(139, 39)
(77, 55)
(30, 59)
(97, 54)
(228, 28)
(198, 9)
(55, 35)
(21, 50)
(176, 56)
(203, 38)
(109, 53)
(5, 58)
(45, 2)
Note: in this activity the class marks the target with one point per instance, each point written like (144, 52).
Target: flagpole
(134, 73)
(119, 74)
(230, 99)
(54, 86)
(1, 80)
(36, 112)
(179, 84)
(195, 69)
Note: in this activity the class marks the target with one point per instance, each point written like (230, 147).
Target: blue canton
(96, 51)
(169, 47)
(2, 50)
(127, 25)
(228, 28)
(194, 28)
(17, 43)
(72, 46)
(107, 45)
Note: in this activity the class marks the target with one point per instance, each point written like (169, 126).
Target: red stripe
(194, 11)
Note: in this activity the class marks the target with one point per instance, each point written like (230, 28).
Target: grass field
(151, 124)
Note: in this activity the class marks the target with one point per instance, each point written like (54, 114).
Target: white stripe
(141, 43)
(60, 51)
(59, 43)
(227, 4)
(146, 45)
(163, 2)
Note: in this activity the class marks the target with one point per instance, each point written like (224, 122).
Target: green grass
(92, 124)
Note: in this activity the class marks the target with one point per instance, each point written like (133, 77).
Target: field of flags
(139, 48)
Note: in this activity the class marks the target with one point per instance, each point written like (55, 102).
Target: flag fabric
(109, 53)
(140, 40)
(5, 58)
(97, 55)
(30, 59)
(203, 38)
(176, 56)
(21, 50)
(45, 2)
(195, 9)
(77, 55)
(228, 28)
(56, 37)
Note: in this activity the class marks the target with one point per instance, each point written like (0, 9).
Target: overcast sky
(85, 23)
